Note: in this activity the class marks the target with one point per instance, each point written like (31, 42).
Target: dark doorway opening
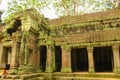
(79, 57)
(103, 57)
(6, 57)
(58, 58)
(43, 54)
(15, 26)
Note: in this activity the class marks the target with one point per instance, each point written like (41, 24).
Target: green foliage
(62, 7)
(114, 3)
(6, 20)
(21, 5)
(73, 7)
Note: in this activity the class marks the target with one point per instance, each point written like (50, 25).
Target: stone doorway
(43, 55)
(103, 59)
(79, 57)
(58, 58)
(6, 56)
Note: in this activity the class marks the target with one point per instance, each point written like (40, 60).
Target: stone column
(14, 58)
(66, 60)
(38, 56)
(22, 50)
(50, 62)
(90, 59)
(15, 52)
(116, 58)
(9, 55)
(1, 52)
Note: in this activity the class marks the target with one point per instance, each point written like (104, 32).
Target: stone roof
(85, 18)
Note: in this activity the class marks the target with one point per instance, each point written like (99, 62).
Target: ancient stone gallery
(90, 43)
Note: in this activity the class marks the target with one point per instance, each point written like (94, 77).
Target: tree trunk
(66, 9)
(118, 4)
(75, 8)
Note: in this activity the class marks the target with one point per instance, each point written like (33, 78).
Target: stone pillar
(22, 50)
(1, 52)
(116, 58)
(14, 60)
(15, 51)
(90, 59)
(50, 62)
(66, 60)
(39, 61)
(38, 56)
(9, 55)
(25, 49)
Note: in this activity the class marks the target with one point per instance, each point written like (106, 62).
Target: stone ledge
(12, 77)
(28, 76)
(37, 78)
(85, 78)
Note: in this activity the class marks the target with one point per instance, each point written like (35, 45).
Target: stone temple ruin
(61, 49)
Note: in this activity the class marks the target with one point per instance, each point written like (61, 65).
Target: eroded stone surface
(30, 43)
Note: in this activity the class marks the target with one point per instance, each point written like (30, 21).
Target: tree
(67, 7)
(63, 7)
(73, 7)
(20, 5)
(115, 3)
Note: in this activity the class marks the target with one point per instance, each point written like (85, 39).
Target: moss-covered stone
(49, 69)
(116, 70)
(92, 17)
(66, 70)
(31, 30)
(25, 69)
(91, 70)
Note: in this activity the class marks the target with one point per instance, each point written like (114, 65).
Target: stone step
(85, 78)
(105, 75)
(10, 79)
(36, 78)
(29, 76)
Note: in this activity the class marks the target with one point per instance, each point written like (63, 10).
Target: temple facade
(87, 43)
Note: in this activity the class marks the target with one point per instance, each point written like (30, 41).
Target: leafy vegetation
(62, 7)
(74, 7)
(20, 5)
(27, 69)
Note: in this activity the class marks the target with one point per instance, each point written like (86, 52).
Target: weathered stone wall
(76, 31)
(90, 37)
(101, 28)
